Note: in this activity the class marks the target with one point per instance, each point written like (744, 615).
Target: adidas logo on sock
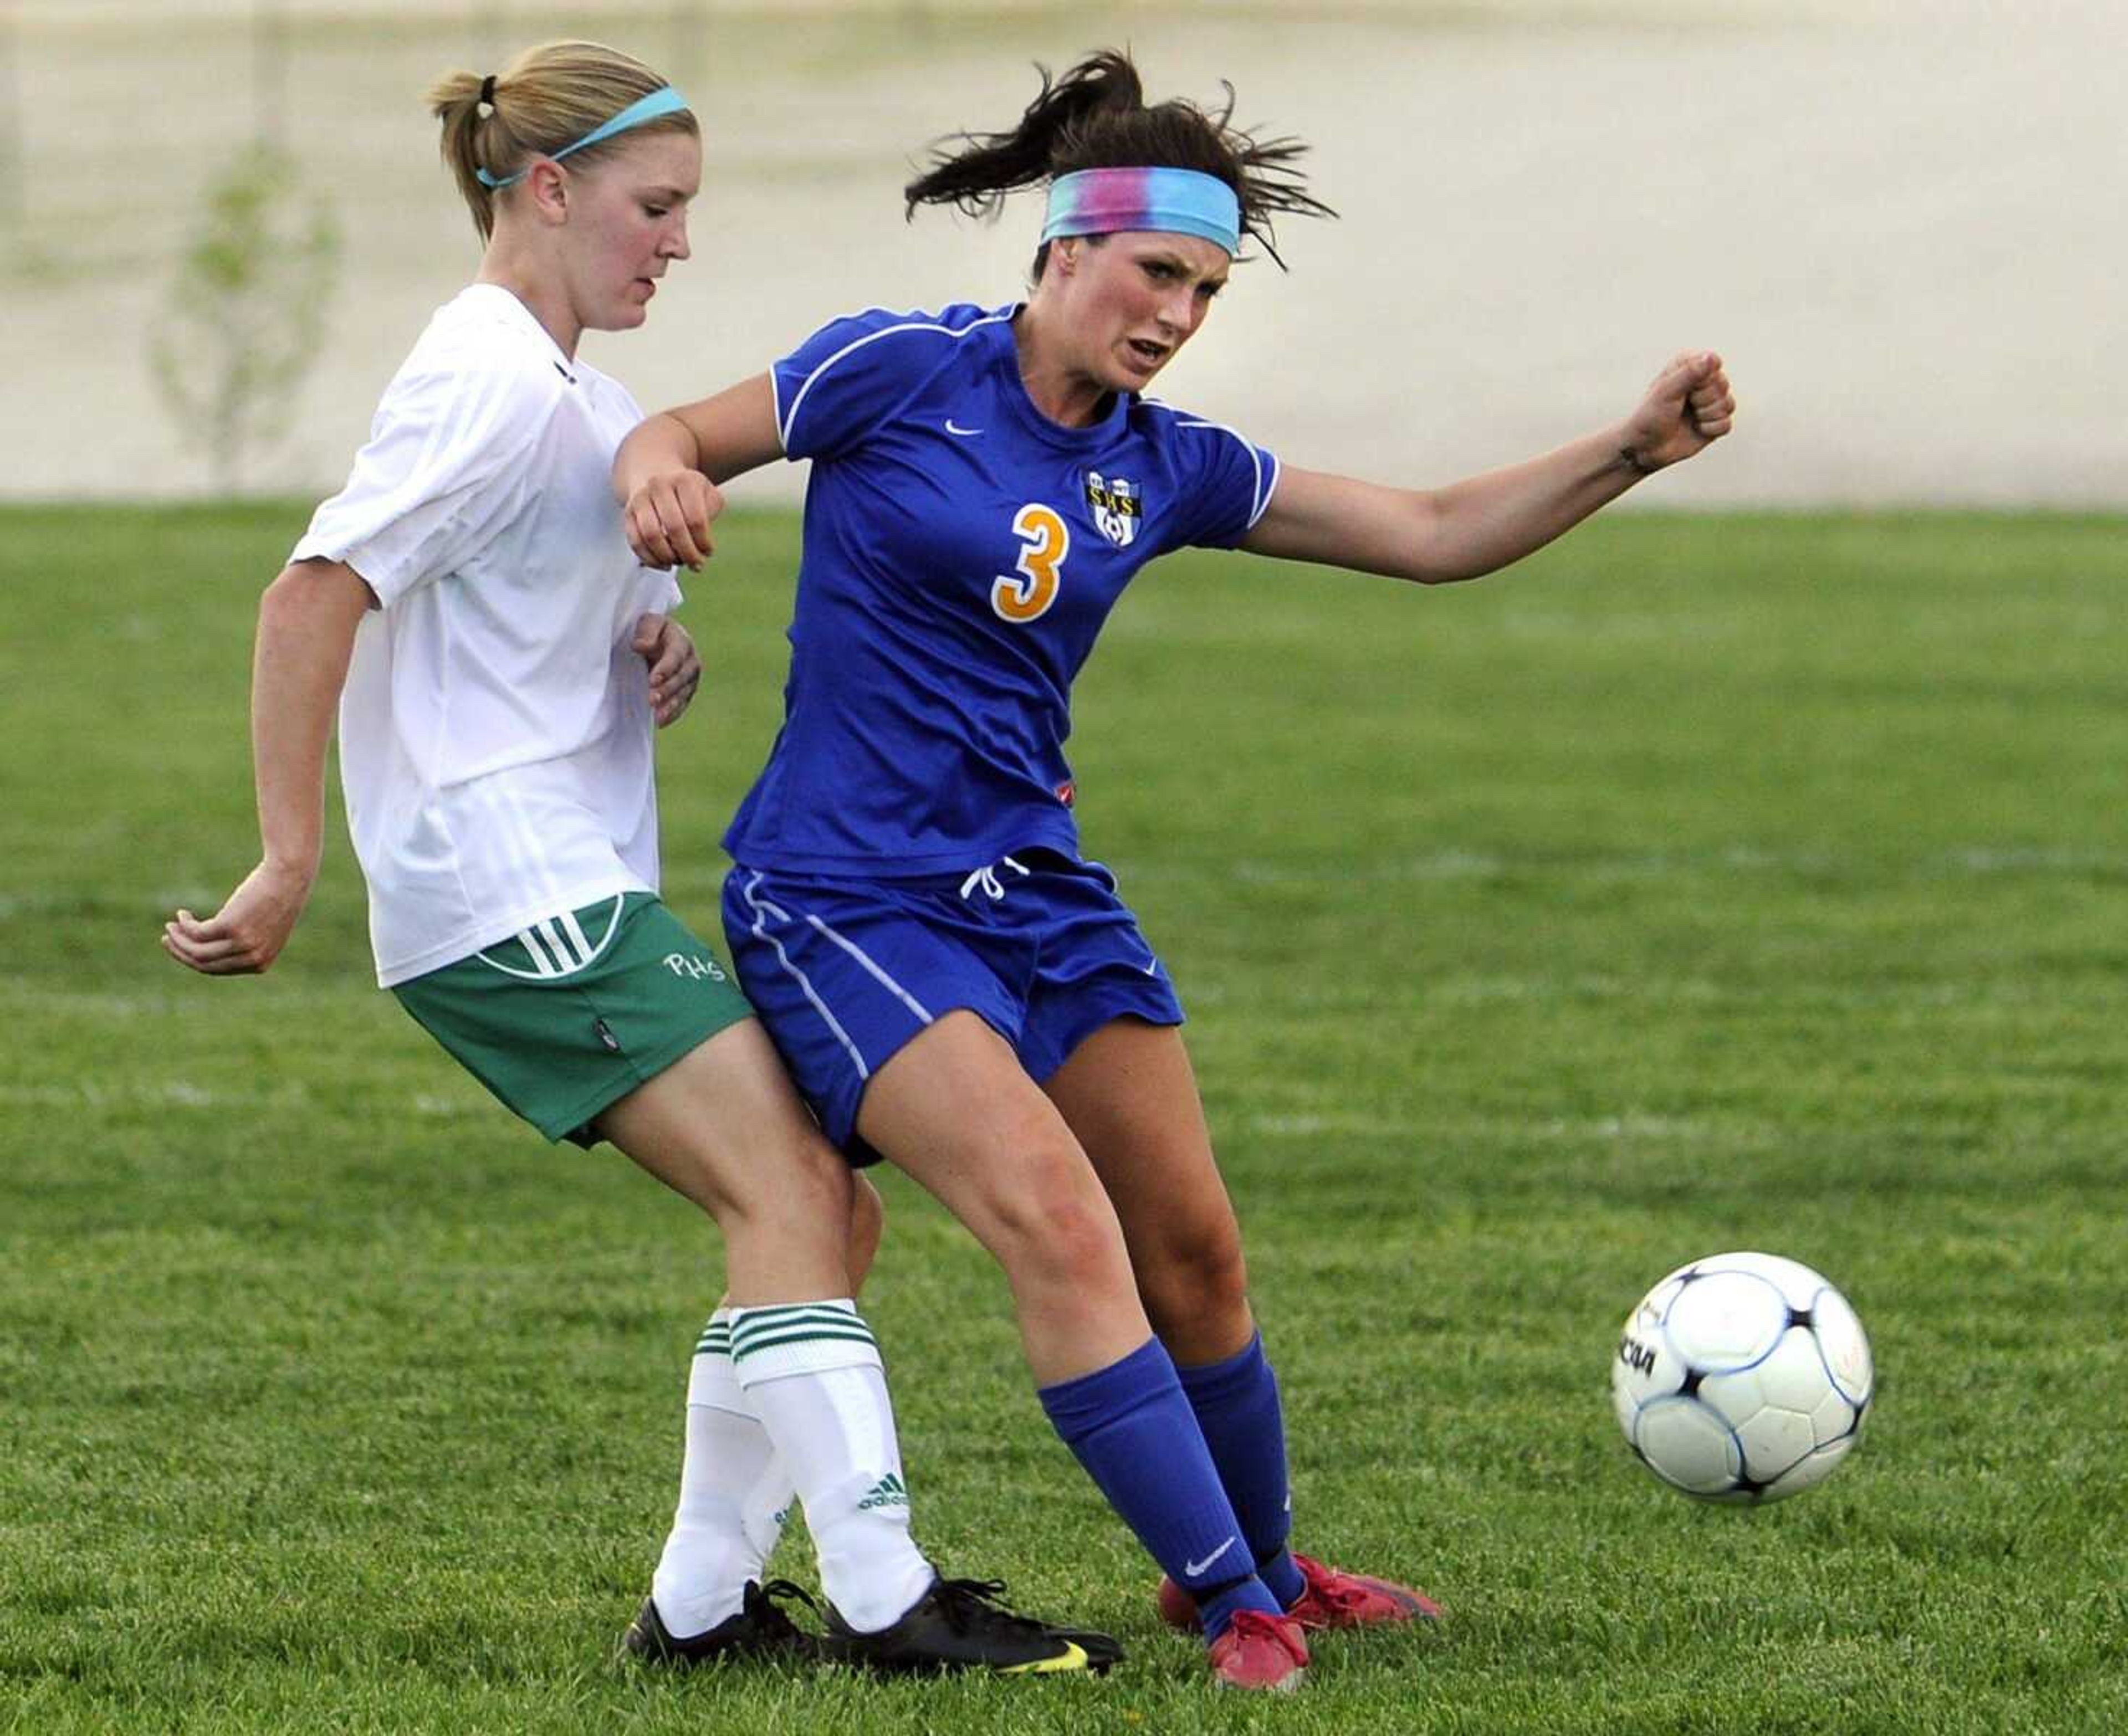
(888, 1491)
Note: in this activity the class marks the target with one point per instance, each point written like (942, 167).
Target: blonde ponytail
(544, 100)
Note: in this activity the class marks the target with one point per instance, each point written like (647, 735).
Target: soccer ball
(1742, 1377)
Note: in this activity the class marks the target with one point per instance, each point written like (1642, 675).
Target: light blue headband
(1181, 202)
(666, 100)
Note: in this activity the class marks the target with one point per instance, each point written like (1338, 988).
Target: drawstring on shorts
(987, 878)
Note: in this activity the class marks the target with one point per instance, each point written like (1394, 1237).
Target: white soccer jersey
(495, 734)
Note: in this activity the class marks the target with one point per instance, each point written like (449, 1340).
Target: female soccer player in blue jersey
(953, 984)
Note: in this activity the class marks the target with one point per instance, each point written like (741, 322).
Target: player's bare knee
(793, 1220)
(806, 1183)
(1195, 1282)
(796, 1180)
(1063, 1233)
(1088, 1253)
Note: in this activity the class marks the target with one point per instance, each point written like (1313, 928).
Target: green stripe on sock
(765, 1339)
(747, 1330)
(839, 1328)
(802, 1338)
(794, 1310)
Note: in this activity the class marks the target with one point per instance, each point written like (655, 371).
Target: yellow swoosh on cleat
(1072, 1657)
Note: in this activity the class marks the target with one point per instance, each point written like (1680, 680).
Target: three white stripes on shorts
(557, 945)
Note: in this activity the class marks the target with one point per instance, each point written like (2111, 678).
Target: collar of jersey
(1023, 407)
(514, 312)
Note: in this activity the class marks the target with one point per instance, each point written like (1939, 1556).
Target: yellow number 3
(1048, 541)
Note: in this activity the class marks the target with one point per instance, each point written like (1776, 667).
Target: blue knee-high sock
(1131, 1427)
(1238, 1408)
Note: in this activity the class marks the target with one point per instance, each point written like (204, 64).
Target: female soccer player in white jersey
(953, 984)
(470, 604)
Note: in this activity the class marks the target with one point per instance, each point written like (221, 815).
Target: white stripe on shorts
(613, 913)
(761, 910)
(536, 949)
(878, 973)
(561, 936)
(577, 937)
(570, 962)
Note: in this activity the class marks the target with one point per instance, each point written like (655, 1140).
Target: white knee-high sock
(812, 1373)
(733, 1494)
(768, 1503)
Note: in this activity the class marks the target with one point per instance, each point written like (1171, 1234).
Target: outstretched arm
(1487, 522)
(306, 624)
(667, 472)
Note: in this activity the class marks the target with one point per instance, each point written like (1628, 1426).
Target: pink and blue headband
(659, 102)
(1177, 201)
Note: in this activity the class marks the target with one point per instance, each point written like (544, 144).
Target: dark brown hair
(548, 97)
(1096, 116)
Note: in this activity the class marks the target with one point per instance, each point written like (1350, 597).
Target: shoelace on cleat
(1331, 1585)
(1262, 1624)
(970, 1603)
(1343, 1597)
(1353, 1592)
(762, 1604)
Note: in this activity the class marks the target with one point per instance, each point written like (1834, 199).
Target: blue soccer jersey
(962, 552)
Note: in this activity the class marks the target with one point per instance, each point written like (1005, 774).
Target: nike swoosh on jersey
(1191, 1569)
(964, 433)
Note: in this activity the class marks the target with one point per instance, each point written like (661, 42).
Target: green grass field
(1707, 883)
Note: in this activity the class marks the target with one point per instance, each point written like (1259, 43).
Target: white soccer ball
(1742, 1377)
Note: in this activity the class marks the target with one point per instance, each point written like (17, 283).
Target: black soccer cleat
(759, 1630)
(961, 1624)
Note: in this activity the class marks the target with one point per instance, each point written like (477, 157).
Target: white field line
(1978, 861)
(183, 1094)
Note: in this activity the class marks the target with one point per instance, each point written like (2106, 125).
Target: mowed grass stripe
(1739, 881)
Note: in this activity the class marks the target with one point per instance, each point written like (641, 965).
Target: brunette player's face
(628, 222)
(1135, 299)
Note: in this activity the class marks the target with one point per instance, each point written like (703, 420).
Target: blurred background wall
(1902, 223)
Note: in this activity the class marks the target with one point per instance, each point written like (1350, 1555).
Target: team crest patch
(1117, 507)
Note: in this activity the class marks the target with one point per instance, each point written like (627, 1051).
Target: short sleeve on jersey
(431, 486)
(1226, 480)
(853, 373)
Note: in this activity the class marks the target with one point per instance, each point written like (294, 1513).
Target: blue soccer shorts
(843, 972)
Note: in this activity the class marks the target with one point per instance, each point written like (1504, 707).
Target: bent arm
(667, 472)
(306, 626)
(722, 437)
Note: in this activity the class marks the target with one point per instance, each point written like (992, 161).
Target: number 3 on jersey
(1028, 597)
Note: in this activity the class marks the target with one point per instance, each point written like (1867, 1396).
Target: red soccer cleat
(1333, 1599)
(1260, 1651)
(1178, 1609)
(1337, 1599)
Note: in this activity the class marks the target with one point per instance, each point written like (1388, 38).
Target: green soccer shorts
(574, 1012)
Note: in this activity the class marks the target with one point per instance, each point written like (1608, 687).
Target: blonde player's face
(1134, 301)
(628, 223)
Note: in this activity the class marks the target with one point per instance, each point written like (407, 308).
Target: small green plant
(246, 309)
